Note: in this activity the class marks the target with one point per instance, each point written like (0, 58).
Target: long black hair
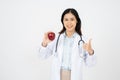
(78, 25)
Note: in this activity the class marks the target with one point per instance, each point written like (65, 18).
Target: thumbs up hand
(87, 46)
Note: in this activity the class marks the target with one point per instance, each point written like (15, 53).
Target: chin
(70, 30)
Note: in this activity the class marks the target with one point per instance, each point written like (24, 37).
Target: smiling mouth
(69, 26)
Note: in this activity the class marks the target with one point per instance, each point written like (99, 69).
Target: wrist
(91, 52)
(44, 44)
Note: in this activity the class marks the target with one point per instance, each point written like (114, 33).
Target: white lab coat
(77, 57)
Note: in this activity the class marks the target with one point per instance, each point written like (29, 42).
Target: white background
(23, 22)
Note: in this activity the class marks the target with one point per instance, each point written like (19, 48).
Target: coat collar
(73, 36)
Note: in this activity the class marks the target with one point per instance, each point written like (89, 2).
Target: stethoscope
(81, 40)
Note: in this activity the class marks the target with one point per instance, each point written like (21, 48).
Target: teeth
(69, 26)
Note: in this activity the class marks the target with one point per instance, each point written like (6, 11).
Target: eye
(72, 19)
(65, 19)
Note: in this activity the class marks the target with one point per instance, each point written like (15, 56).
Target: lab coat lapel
(60, 47)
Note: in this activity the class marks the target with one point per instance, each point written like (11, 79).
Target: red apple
(51, 36)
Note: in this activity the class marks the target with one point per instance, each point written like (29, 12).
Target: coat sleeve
(45, 52)
(90, 60)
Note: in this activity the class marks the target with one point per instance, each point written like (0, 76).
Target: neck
(69, 34)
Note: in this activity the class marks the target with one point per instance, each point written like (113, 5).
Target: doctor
(69, 49)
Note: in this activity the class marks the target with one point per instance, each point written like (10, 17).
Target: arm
(46, 47)
(46, 51)
(90, 58)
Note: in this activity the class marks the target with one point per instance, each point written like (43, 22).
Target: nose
(69, 22)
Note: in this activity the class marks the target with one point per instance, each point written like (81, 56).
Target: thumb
(89, 42)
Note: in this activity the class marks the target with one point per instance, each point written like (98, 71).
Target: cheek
(64, 24)
(74, 24)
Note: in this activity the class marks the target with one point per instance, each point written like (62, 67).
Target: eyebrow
(70, 18)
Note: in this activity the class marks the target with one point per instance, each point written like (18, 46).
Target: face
(69, 22)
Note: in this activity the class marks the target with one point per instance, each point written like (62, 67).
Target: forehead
(69, 15)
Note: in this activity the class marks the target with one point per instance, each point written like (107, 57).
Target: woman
(69, 49)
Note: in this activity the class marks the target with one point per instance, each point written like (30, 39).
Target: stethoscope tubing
(81, 40)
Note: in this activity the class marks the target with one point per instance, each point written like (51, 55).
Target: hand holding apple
(51, 36)
(48, 37)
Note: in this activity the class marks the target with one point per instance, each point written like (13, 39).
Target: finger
(89, 42)
(84, 45)
(45, 35)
